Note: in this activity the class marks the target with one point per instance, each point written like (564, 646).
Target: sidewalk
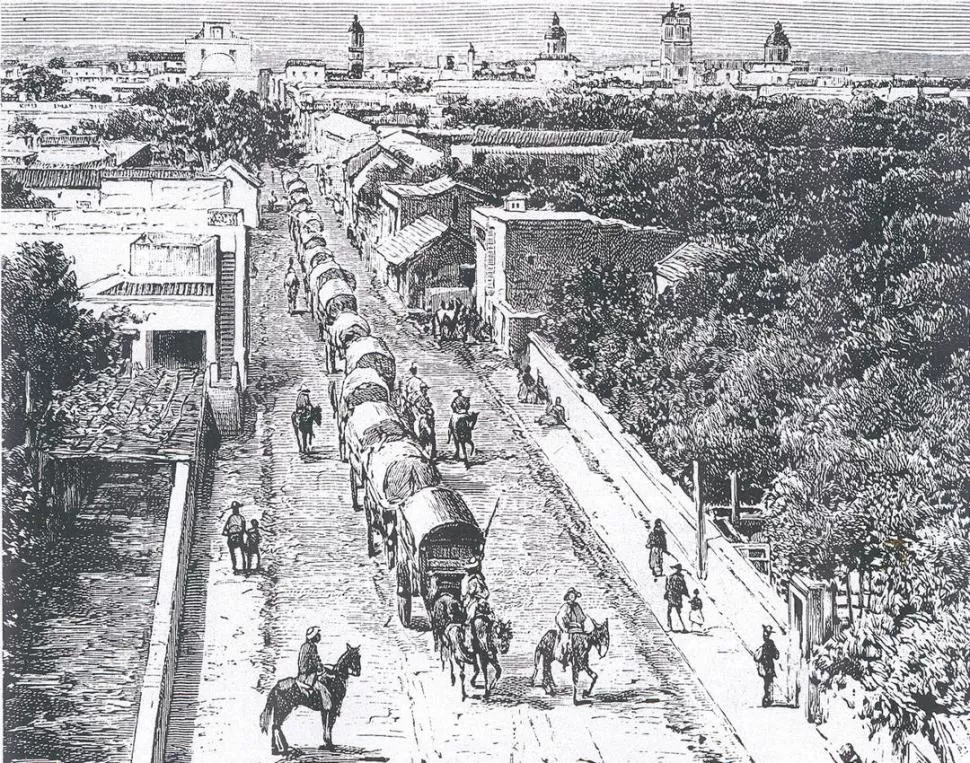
(719, 657)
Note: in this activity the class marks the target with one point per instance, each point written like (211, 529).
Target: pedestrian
(542, 393)
(252, 546)
(656, 548)
(674, 594)
(696, 616)
(234, 529)
(526, 385)
(272, 201)
(765, 657)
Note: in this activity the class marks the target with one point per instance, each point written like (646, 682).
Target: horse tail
(266, 717)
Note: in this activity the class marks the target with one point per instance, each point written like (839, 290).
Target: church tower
(676, 47)
(555, 38)
(356, 49)
(777, 46)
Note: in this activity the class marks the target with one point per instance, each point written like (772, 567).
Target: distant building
(777, 46)
(156, 61)
(522, 254)
(333, 138)
(676, 45)
(216, 53)
(356, 49)
(567, 152)
(555, 64)
(305, 70)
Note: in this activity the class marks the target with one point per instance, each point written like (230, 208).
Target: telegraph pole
(701, 522)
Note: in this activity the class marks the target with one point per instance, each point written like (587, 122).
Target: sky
(598, 32)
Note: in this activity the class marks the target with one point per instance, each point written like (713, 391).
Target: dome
(778, 38)
(555, 32)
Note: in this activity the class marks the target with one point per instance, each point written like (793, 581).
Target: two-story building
(564, 152)
(523, 254)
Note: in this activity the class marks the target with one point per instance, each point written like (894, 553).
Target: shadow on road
(338, 754)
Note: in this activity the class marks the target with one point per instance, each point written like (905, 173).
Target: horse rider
(474, 592)
(303, 399)
(570, 619)
(412, 386)
(308, 662)
(423, 408)
(460, 406)
(291, 282)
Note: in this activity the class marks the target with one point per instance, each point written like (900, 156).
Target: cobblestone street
(242, 633)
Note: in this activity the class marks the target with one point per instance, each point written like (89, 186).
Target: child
(252, 546)
(696, 611)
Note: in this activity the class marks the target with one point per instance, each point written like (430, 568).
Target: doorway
(178, 349)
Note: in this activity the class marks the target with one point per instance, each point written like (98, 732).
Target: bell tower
(356, 49)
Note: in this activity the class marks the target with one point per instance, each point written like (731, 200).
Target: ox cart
(363, 385)
(434, 537)
(332, 299)
(369, 425)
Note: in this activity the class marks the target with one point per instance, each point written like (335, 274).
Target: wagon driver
(474, 592)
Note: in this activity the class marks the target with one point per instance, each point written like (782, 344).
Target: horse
(460, 431)
(445, 610)
(423, 423)
(303, 420)
(478, 644)
(577, 655)
(286, 696)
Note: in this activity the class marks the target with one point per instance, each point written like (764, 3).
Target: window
(232, 54)
(455, 209)
(217, 32)
(668, 33)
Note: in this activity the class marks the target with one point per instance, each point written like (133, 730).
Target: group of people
(533, 391)
(244, 539)
(675, 590)
(412, 396)
(453, 320)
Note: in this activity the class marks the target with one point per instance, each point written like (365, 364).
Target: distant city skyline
(599, 32)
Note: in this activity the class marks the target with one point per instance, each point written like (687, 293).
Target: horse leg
(461, 677)
(498, 672)
(593, 676)
(488, 689)
(325, 720)
(548, 683)
(575, 684)
(535, 671)
(279, 745)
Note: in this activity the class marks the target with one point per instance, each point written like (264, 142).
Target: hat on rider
(678, 566)
(571, 591)
(423, 385)
(459, 390)
(473, 564)
(235, 505)
(414, 368)
(305, 388)
(312, 632)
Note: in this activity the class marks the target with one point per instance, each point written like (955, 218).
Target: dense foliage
(203, 124)
(45, 334)
(38, 83)
(15, 196)
(826, 360)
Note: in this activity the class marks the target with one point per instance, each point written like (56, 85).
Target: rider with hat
(309, 664)
(424, 409)
(474, 592)
(569, 620)
(303, 398)
(412, 386)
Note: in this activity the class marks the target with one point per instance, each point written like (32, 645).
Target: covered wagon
(370, 424)
(371, 352)
(345, 328)
(435, 536)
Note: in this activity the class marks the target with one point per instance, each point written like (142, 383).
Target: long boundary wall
(733, 585)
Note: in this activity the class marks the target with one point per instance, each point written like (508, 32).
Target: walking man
(233, 530)
(656, 548)
(570, 619)
(765, 657)
(675, 593)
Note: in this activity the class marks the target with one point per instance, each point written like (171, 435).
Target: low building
(422, 246)
(522, 254)
(568, 152)
(333, 138)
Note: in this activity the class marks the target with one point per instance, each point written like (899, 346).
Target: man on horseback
(423, 409)
(460, 406)
(474, 591)
(303, 403)
(569, 620)
(412, 387)
(309, 664)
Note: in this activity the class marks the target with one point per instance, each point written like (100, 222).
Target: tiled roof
(690, 258)
(343, 126)
(154, 416)
(431, 188)
(149, 173)
(160, 289)
(501, 136)
(361, 159)
(155, 55)
(60, 177)
(411, 240)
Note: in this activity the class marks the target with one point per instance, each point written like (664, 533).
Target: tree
(39, 84)
(46, 333)
(56, 63)
(203, 124)
(23, 127)
(15, 196)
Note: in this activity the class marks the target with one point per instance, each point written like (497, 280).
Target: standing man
(272, 201)
(423, 409)
(412, 386)
(570, 619)
(675, 593)
(656, 548)
(765, 657)
(234, 529)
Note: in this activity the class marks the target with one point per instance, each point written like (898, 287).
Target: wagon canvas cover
(436, 508)
(371, 352)
(398, 470)
(372, 423)
(346, 327)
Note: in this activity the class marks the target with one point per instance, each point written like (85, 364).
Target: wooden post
(701, 523)
(28, 407)
(735, 501)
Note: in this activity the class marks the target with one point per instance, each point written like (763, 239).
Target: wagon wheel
(403, 595)
(371, 546)
(354, 490)
(390, 545)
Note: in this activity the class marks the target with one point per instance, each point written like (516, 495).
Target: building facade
(216, 53)
(676, 44)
